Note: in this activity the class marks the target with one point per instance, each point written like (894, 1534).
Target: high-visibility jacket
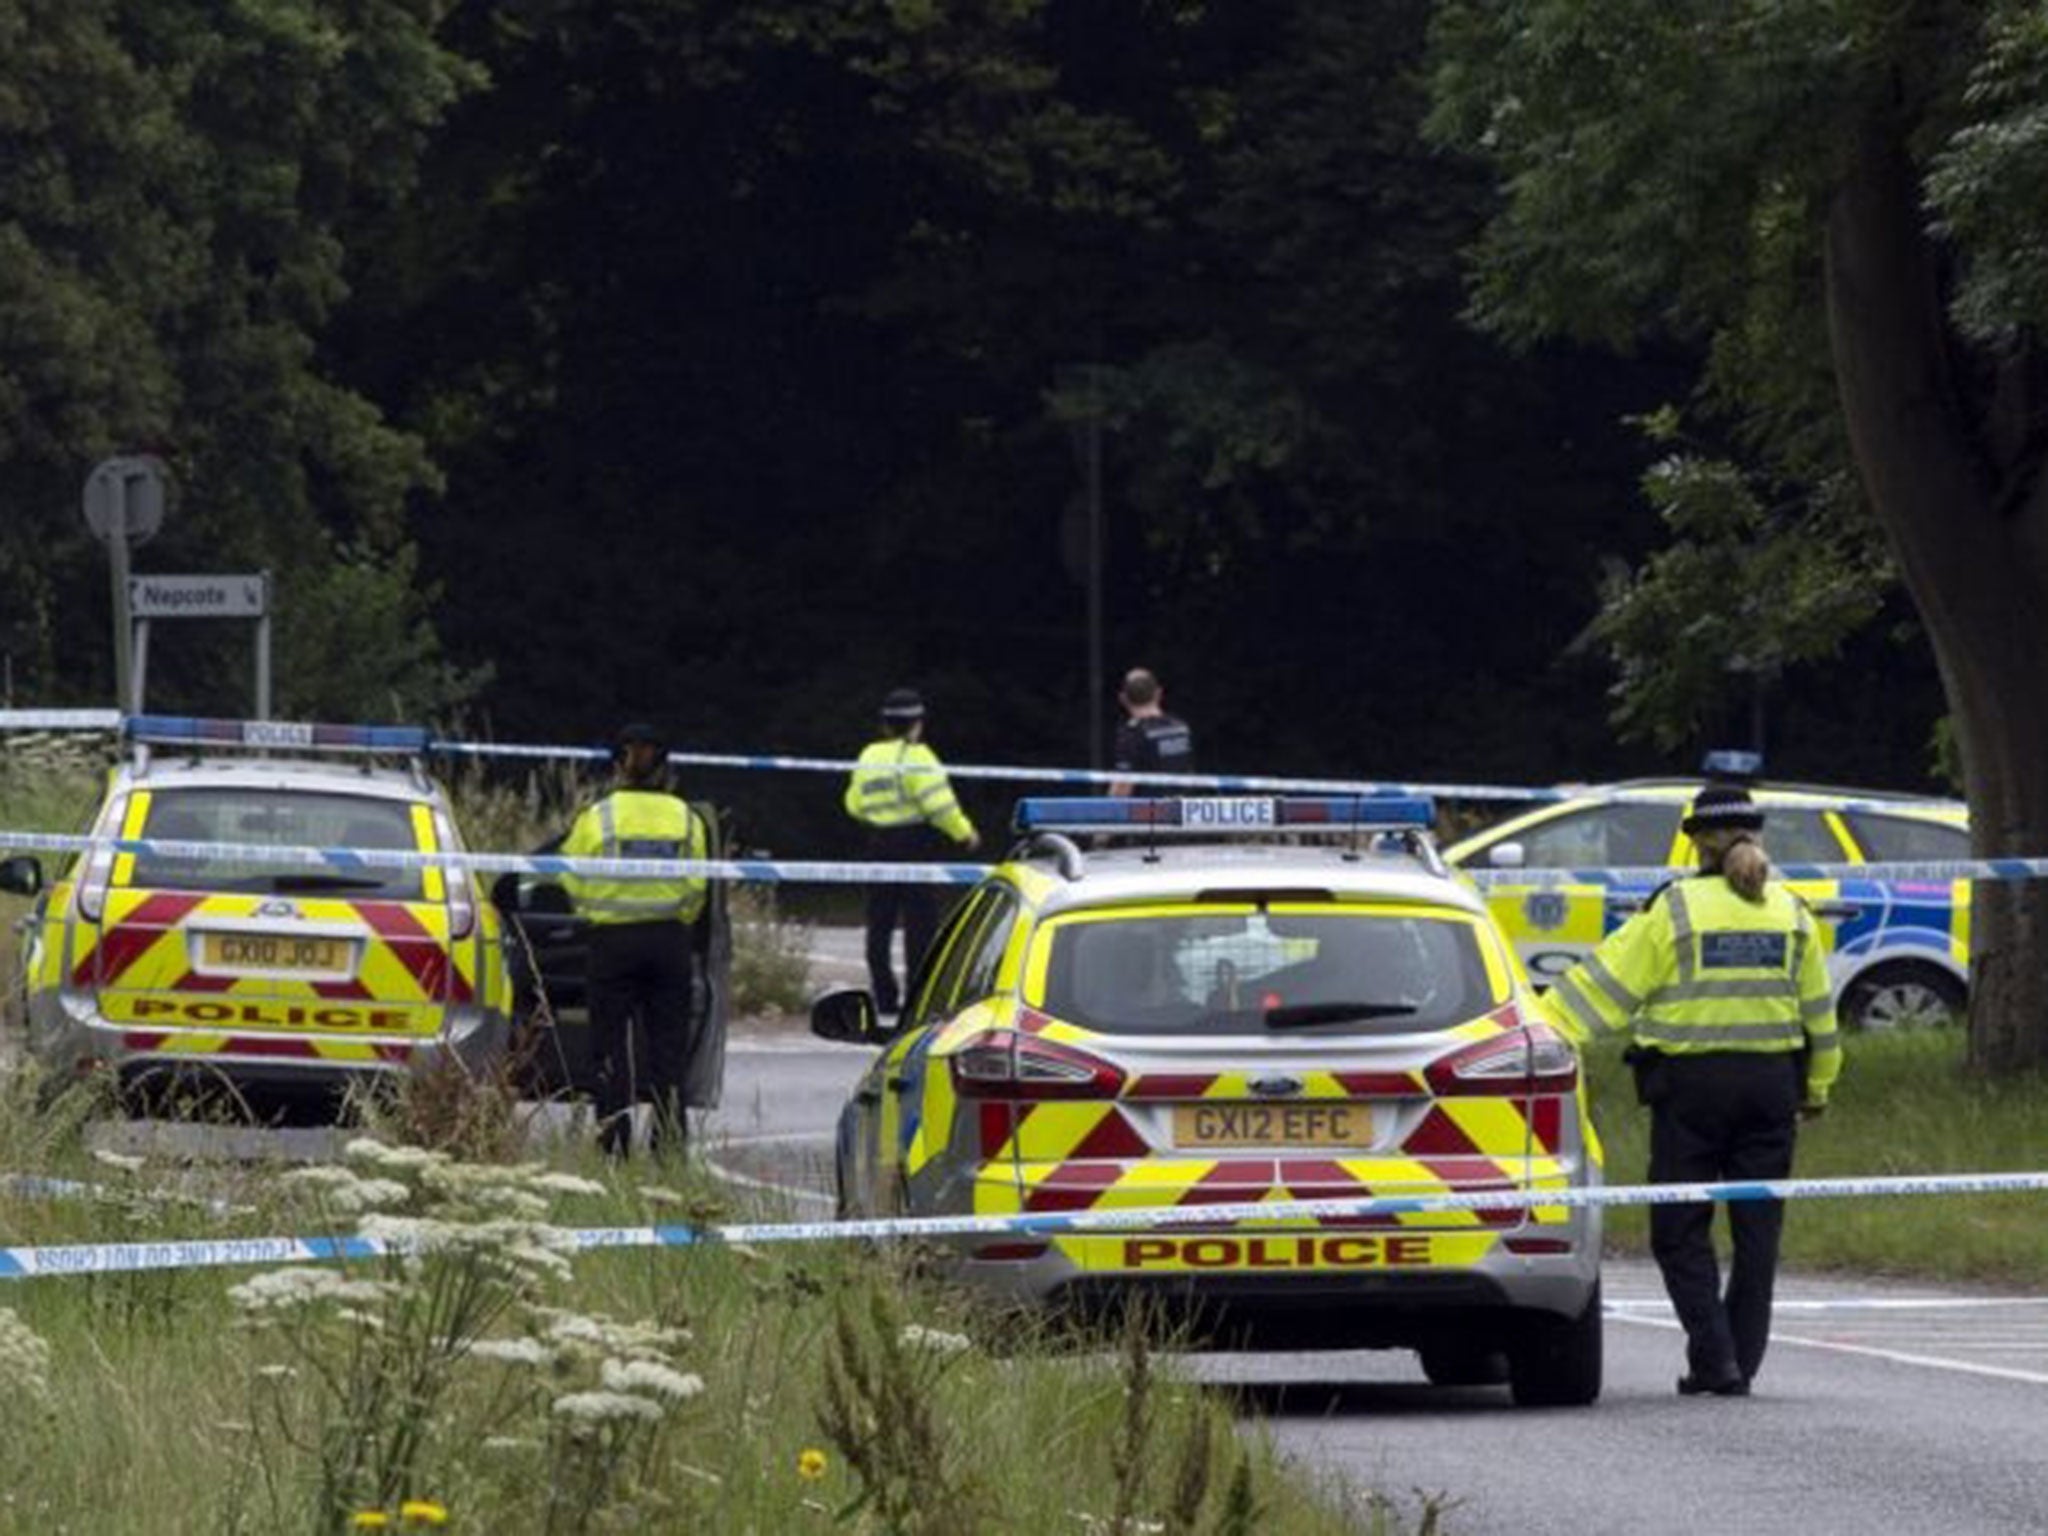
(899, 783)
(637, 824)
(1701, 969)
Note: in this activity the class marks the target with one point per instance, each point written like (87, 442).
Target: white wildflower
(937, 1340)
(375, 1154)
(507, 1443)
(24, 1357)
(564, 1184)
(276, 1372)
(120, 1160)
(513, 1351)
(348, 1193)
(650, 1377)
(595, 1408)
(600, 1336)
(654, 1194)
(284, 1290)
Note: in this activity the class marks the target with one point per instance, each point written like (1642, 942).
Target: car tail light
(1531, 1057)
(461, 897)
(1006, 1065)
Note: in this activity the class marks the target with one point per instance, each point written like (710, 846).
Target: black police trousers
(916, 907)
(1721, 1116)
(640, 1022)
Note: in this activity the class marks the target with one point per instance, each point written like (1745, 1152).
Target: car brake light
(1006, 1065)
(461, 898)
(1533, 1057)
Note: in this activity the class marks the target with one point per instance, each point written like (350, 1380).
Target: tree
(1838, 200)
(176, 181)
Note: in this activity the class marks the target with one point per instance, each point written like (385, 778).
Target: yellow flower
(810, 1464)
(423, 1512)
(369, 1520)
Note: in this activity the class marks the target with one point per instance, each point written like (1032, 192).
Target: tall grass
(1904, 1105)
(165, 1412)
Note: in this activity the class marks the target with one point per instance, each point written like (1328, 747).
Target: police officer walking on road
(640, 942)
(1721, 981)
(901, 795)
(1149, 740)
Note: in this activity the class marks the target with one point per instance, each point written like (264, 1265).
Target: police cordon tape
(839, 872)
(308, 736)
(216, 1253)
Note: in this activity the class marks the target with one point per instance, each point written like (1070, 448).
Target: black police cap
(1723, 808)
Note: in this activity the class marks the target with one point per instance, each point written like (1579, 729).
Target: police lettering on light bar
(304, 736)
(1224, 813)
(1731, 764)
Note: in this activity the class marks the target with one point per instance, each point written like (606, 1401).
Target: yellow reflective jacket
(637, 824)
(1701, 969)
(899, 783)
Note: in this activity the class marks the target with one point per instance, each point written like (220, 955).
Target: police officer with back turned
(640, 949)
(1149, 740)
(1722, 983)
(901, 795)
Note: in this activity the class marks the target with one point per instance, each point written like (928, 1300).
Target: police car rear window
(1205, 972)
(1907, 839)
(269, 818)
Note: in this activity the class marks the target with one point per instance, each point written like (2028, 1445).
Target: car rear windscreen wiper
(1305, 1015)
(319, 882)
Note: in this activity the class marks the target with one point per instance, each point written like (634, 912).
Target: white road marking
(1895, 1356)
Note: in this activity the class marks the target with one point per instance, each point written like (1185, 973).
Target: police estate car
(1289, 1014)
(160, 963)
(1899, 952)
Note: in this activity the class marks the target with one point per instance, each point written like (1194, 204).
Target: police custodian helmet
(1723, 808)
(903, 704)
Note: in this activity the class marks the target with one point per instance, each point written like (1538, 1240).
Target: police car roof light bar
(1164, 816)
(1728, 763)
(271, 735)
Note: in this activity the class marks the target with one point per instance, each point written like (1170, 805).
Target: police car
(178, 963)
(1898, 950)
(1313, 1007)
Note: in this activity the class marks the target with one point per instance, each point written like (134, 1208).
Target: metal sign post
(201, 597)
(124, 507)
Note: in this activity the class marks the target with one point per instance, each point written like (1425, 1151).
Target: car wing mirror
(1507, 856)
(22, 875)
(848, 1017)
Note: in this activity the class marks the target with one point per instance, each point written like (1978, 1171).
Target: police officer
(900, 794)
(640, 947)
(1149, 740)
(1721, 980)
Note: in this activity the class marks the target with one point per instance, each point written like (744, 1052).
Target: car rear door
(235, 955)
(1446, 1100)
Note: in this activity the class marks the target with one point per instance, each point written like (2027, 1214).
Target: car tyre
(1556, 1363)
(1901, 997)
(1463, 1365)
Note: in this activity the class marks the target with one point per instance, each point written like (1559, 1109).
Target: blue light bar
(1224, 813)
(298, 735)
(1729, 764)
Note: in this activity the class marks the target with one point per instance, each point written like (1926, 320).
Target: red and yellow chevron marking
(270, 1047)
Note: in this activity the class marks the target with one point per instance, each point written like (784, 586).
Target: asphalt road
(1883, 1407)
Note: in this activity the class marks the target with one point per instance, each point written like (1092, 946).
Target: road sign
(125, 492)
(199, 597)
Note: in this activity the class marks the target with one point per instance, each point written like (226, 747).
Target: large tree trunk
(1975, 559)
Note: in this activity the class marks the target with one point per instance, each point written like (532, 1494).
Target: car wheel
(1463, 1365)
(1900, 997)
(1556, 1362)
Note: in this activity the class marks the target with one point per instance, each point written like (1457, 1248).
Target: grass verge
(1904, 1105)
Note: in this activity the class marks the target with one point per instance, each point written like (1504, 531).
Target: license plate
(273, 952)
(1272, 1125)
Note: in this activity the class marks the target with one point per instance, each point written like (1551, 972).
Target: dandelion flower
(423, 1512)
(810, 1464)
(369, 1520)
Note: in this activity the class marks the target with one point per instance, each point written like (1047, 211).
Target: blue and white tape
(217, 1253)
(356, 860)
(204, 734)
(829, 872)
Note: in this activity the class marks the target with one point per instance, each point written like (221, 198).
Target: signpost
(202, 597)
(124, 507)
